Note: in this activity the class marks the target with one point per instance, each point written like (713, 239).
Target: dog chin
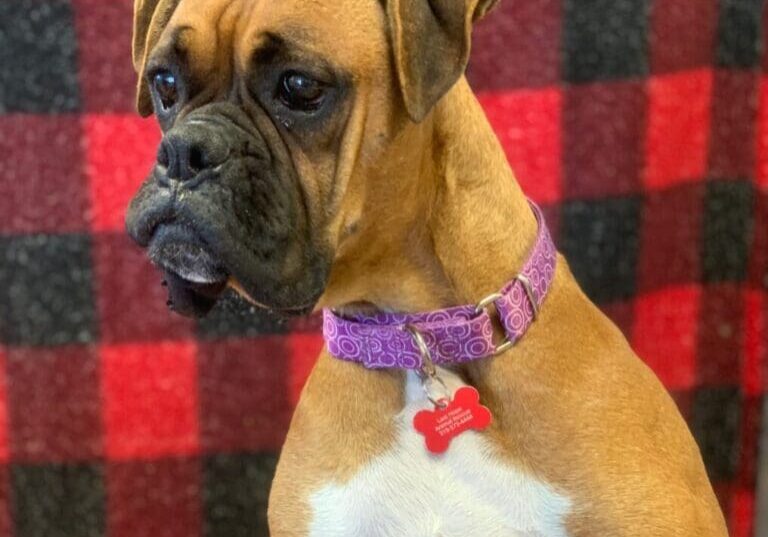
(195, 278)
(191, 273)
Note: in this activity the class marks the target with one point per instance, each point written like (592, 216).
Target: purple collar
(453, 335)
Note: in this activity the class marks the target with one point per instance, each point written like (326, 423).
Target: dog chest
(466, 491)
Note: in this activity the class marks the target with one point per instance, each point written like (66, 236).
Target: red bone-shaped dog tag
(442, 425)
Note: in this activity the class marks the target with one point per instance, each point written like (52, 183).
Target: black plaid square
(715, 425)
(605, 39)
(235, 495)
(739, 33)
(600, 240)
(758, 269)
(47, 290)
(58, 500)
(727, 230)
(38, 55)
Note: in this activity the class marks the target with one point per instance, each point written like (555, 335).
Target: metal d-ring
(428, 368)
(428, 371)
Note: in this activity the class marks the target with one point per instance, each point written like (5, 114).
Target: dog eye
(301, 92)
(166, 88)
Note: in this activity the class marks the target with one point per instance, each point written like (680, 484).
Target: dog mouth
(194, 278)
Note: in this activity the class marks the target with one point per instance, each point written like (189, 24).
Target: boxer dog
(330, 154)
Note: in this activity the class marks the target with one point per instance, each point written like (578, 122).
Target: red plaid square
(4, 449)
(664, 334)
(243, 394)
(670, 249)
(150, 400)
(104, 34)
(682, 34)
(742, 513)
(6, 522)
(121, 150)
(528, 126)
(304, 350)
(518, 46)
(742, 502)
(721, 335)
(50, 163)
(755, 370)
(308, 323)
(762, 135)
(159, 498)
(52, 422)
(122, 271)
(749, 443)
(622, 314)
(678, 127)
(684, 401)
(734, 112)
(601, 156)
(724, 493)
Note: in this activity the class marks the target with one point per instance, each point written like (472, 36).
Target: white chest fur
(465, 492)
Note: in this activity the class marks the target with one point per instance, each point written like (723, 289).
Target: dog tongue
(191, 299)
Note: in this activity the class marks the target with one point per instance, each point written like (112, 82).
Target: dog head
(273, 115)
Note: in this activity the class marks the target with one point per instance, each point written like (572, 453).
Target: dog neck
(445, 223)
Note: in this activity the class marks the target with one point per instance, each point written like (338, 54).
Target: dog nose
(190, 149)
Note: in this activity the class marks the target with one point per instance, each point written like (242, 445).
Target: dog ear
(150, 17)
(431, 41)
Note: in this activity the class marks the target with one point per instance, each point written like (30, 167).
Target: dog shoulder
(341, 422)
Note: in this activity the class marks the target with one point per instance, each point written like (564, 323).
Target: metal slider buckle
(483, 306)
(428, 371)
(528, 288)
(491, 299)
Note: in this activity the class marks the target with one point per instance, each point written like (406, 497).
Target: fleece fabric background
(640, 125)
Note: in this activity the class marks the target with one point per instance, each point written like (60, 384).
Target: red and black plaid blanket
(641, 126)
